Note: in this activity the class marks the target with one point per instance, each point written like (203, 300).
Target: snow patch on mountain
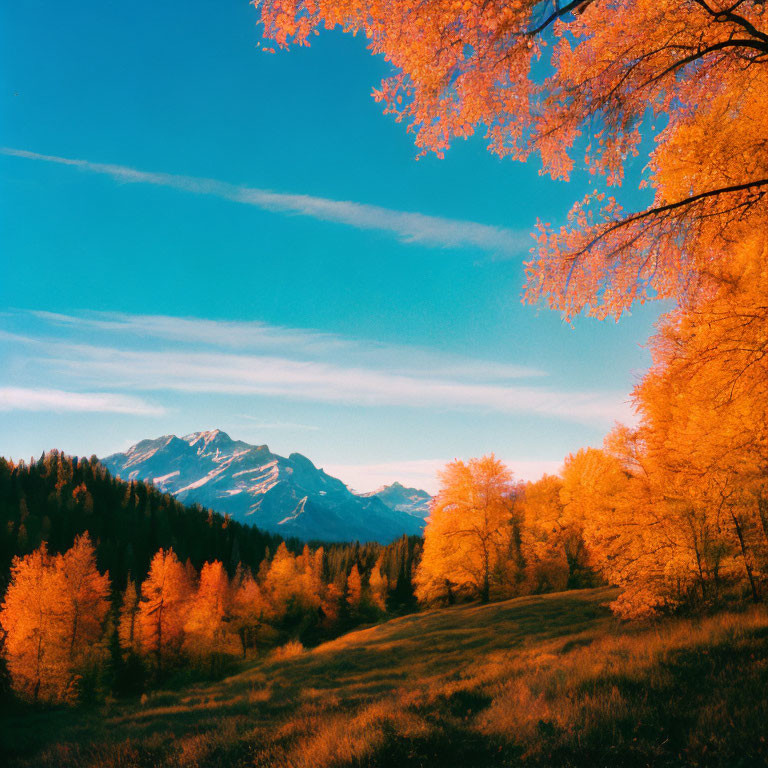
(290, 496)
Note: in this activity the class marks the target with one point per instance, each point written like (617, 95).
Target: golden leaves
(464, 64)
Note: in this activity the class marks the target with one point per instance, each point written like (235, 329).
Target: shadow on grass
(550, 680)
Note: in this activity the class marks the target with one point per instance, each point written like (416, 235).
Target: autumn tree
(281, 579)
(293, 587)
(251, 612)
(378, 586)
(354, 589)
(35, 645)
(468, 534)
(309, 567)
(208, 611)
(652, 528)
(163, 606)
(691, 72)
(86, 599)
(704, 411)
(546, 536)
(53, 617)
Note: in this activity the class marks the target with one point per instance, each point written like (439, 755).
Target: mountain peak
(207, 437)
(302, 461)
(413, 501)
(290, 496)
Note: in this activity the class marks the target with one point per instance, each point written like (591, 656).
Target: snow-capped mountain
(289, 496)
(414, 501)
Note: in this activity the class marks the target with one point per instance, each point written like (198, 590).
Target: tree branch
(735, 18)
(558, 13)
(670, 207)
(762, 47)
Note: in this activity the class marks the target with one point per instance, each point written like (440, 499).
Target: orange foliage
(34, 643)
(552, 539)
(163, 606)
(53, 614)
(676, 510)
(468, 536)
(86, 598)
(209, 608)
(56, 639)
(378, 586)
(293, 582)
(698, 66)
(354, 588)
(250, 611)
(701, 449)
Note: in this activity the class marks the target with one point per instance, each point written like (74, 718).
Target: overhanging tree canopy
(699, 66)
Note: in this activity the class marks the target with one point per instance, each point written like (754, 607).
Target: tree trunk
(747, 566)
(74, 634)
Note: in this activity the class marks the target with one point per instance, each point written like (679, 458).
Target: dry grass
(541, 681)
(290, 650)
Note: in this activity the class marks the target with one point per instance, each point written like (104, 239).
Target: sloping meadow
(545, 680)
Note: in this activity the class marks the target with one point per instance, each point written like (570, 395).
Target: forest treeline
(113, 587)
(57, 497)
(80, 548)
(69, 637)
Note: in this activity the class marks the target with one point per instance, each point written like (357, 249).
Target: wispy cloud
(57, 400)
(409, 227)
(423, 473)
(230, 374)
(343, 372)
(305, 343)
(192, 330)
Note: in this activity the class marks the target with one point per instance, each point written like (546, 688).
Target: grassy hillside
(550, 680)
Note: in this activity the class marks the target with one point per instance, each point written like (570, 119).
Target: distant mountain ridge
(289, 496)
(414, 501)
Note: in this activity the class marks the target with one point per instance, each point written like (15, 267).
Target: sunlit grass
(548, 680)
(290, 650)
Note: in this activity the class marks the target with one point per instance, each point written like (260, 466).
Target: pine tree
(354, 591)
(128, 633)
(86, 599)
(208, 610)
(162, 609)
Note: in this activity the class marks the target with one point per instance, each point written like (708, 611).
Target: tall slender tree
(86, 600)
(128, 619)
(209, 609)
(35, 643)
(162, 611)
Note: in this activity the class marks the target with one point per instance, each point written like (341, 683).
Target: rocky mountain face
(411, 500)
(289, 496)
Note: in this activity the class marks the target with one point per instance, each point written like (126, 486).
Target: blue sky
(247, 243)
